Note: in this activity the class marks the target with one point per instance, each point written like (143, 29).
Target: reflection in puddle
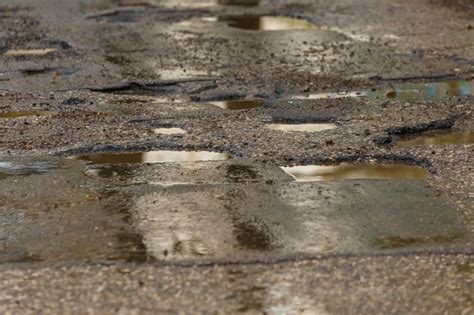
(238, 105)
(403, 92)
(8, 115)
(29, 52)
(169, 131)
(301, 127)
(265, 23)
(153, 157)
(10, 168)
(239, 2)
(345, 171)
(330, 95)
(434, 90)
(437, 138)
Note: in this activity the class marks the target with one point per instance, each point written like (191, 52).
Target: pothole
(169, 131)
(437, 138)
(29, 52)
(247, 3)
(238, 104)
(152, 157)
(433, 90)
(10, 115)
(345, 171)
(301, 127)
(264, 23)
(8, 168)
(403, 92)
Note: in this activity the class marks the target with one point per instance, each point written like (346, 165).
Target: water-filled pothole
(8, 168)
(162, 156)
(301, 127)
(169, 131)
(403, 92)
(8, 115)
(247, 3)
(344, 171)
(265, 23)
(433, 90)
(437, 138)
(238, 104)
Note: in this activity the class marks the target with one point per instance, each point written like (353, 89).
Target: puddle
(153, 157)
(301, 127)
(330, 95)
(238, 105)
(422, 91)
(437, 138)
(346, 171)
(265, 23)
(293, 218)
(8, 168)
(403, 92)
(169, 131)
(8, 115)
(29, 52)
(247, 3)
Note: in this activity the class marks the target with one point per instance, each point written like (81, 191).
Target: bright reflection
(301, 127)
(153, 157)
(169, 131)
(346, 171)
(266, 23)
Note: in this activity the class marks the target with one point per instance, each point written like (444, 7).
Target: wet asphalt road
(232, 227)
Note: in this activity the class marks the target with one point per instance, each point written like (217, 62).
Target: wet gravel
(118, 70)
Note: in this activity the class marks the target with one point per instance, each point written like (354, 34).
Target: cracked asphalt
(80, 79)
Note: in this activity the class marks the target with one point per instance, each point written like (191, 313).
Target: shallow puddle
(330, 95)
(238, 105)
(344, 171)
(266, 23)
(153, 157)
(8, 168)
(437, 138)
(420, 91)
(301, 127)
(169, 131)
(403, 92)
(248, 3)
(19, 114)
(29, 52)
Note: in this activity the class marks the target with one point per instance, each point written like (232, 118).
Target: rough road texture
(71, 241)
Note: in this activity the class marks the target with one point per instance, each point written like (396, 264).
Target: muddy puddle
(9, 168)
(238, 104)
(19, 114)
(261, 220)
(63, 215)
(346, 171)
(169, 131)
(264, 23)
(437, 138)
(403, 92)
(153, 157)
(301, 127)
(425, 91)
(249, 3)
